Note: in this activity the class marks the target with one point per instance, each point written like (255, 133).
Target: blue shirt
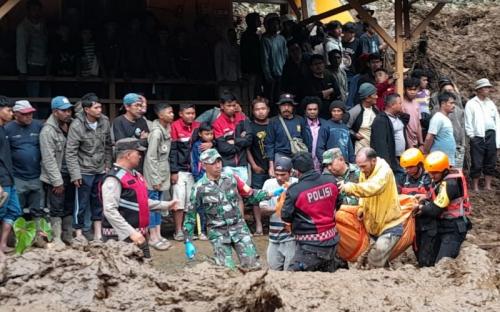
(25, 149)
(440, 126)
(277, 141)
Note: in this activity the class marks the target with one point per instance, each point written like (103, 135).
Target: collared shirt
(314, 125)
(479, 116)
(399, 136)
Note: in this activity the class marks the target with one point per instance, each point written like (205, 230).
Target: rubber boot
(67, 229)
(39, 240)
(56, 224)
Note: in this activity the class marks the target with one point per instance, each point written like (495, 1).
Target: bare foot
(3, 257)
(6, 249)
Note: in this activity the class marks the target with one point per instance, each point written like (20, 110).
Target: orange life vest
(459, 207)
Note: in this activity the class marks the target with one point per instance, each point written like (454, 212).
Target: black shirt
(124, 128)
(314, 86)
(6, 178)
(259, 133)
(352, 50)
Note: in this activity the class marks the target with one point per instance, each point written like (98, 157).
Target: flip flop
(159, 245)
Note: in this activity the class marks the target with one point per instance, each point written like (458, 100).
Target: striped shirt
(277, 233)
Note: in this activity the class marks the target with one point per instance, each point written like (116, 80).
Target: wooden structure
(404, 34)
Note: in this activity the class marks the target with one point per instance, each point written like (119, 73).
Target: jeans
(280, 255)
(11, 210)
(86, 199)
(30, 195)
(154, 216)
(61, 206)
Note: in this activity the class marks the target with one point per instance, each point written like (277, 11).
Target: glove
(278, 191)
(190, 249)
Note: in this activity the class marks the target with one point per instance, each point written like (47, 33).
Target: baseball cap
(23, 107)
(287, 98)
(330, 155)
(131, 98)
(282, 164)
(129, 144)
(61, 103)
(209, 156)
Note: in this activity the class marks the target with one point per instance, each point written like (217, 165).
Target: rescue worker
(310, 208)
(218, 194)
(125, 197)
(336, 165)
(449, 204)
(378, 206)
(417, 182)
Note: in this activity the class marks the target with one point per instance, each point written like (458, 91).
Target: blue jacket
(335, 134)
(308, 139)
(196, 168)
(277, 140)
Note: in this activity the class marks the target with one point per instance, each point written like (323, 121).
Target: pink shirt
(413, 130)
(314, 126)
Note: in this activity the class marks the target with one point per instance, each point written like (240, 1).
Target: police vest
(459, 207)
(133, 204)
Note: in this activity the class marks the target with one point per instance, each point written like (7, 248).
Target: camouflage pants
(242, 243)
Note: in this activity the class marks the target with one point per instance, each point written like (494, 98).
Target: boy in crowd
(180, 163)
(281, 248)
(256, 154)
(204, 137)
(157, 169)
(385, 86)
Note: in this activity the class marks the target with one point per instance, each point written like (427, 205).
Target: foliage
(26, 232)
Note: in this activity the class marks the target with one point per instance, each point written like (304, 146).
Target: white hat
(482, 83)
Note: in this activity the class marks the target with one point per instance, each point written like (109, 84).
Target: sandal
(159, 245)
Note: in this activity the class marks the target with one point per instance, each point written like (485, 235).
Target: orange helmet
(436, 162)
(411, 157)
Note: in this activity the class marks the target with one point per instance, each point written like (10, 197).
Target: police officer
(218, 193)
(418, 183)
(310, 206)
(449, 204)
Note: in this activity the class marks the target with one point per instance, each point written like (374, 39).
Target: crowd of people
(326, 128)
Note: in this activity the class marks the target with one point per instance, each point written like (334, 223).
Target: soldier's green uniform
(351, 175)
(226, 227)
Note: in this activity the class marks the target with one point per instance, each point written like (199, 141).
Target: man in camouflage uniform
(335, 164)
(217, 193)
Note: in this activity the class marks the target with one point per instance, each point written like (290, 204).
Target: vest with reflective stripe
(133, 204)
(409, 188)
(458, 207)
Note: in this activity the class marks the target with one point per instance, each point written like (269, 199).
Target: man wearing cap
(218, 193)
(482, 125)
(59, 191)
(281, 248)
(310, 206)
(23, 135)
(10, 210)
(88, 157)
(277, 141)
(361, 116)
(132, 123)
(457, 118)
(273, 56)
(125, 197)
(335, 133)
(336, 165)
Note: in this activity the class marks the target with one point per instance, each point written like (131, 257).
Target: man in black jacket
(310, 208)
(388, 133)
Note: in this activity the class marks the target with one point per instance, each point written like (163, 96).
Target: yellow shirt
(378, 198)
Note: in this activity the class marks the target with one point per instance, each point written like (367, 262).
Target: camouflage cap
(209, 156)
(330, 155)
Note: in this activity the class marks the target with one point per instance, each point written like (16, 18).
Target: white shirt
(481, 116)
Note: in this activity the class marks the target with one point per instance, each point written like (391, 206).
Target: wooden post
(305, 11)
(112, 96)
(7, 6)
(406, 18)
(398, 20)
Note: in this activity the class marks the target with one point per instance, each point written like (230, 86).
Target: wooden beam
(7, 6)
(425, 22)
(340, 9)
(398, 20)
(406, 18)
(305, 10)
(373, 23)
(294, 7)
